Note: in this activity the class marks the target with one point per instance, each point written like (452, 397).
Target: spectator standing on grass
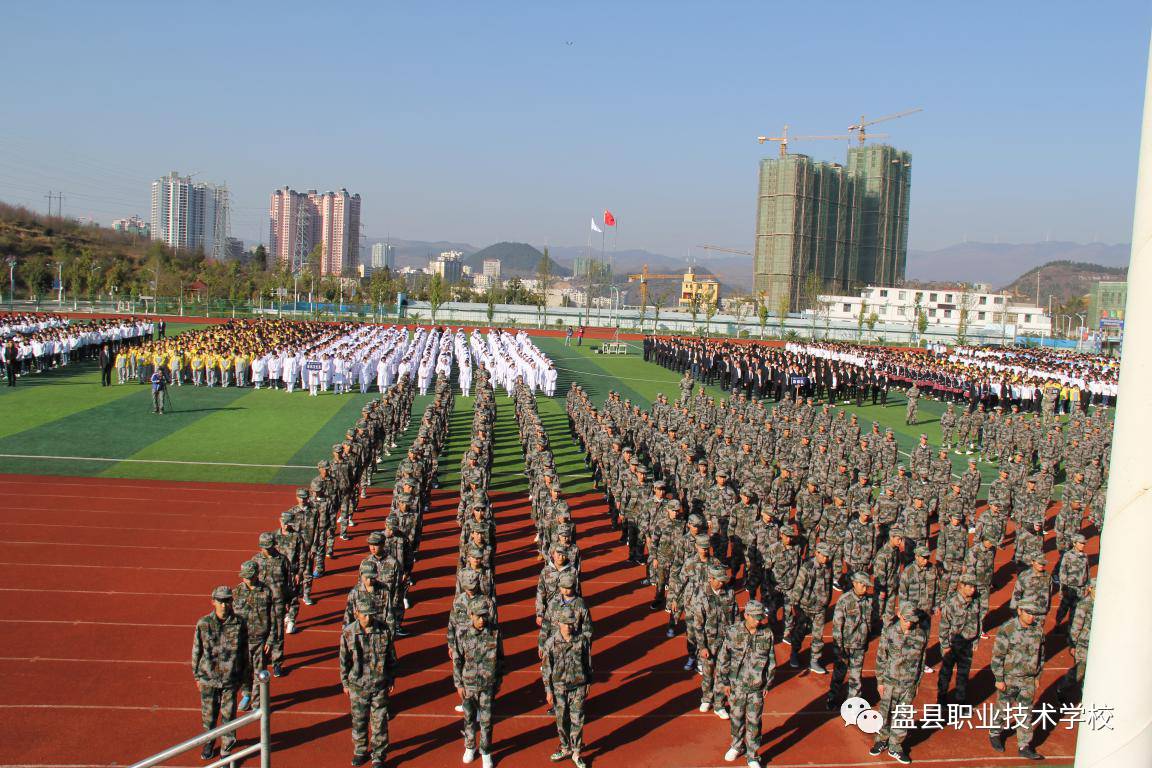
(159, 384)
(10, 353)
(106, 360)
(220, 664)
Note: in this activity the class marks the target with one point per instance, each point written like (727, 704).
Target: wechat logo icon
(858, 712)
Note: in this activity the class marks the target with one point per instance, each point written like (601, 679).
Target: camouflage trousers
(779, 600)
(958, 656)
(369, 711)
(950, 576)
(276, 632)
(477, 706)
(256, 654)
(569, 706)
(1073, 679)
(847, 666)
(710, 691)
(744, 711)
(910, 417)
(894, 696)
(1019, 693)
(218, 703)
(1069, 597)
(809, 622)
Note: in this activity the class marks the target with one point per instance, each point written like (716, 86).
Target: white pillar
(1119, 671)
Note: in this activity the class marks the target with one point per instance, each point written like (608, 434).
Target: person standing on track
(220, 665)
(566, 666)
(477, 669)
(368, 675)
(252, 601)
(745, 667)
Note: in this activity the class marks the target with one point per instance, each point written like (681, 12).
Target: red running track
(101, 582)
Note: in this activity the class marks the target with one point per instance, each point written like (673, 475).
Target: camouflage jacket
(900, 657)
(747, 661)
(275, 574)
(852, 621)
(1081, 627)
(918, 588)
(959, 619)
(711, 615)
(548, 618)
(220, 656)
(953, 543)
(367, 657)
(1018, 652)
(254, 605)
(479, 661)
(566, 664)
(813, 587)
(1074, 571)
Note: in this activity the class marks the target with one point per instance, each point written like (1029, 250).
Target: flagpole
(588, 279)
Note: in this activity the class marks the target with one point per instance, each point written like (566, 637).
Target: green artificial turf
(211, 434)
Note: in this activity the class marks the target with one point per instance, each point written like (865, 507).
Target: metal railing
(263, 747)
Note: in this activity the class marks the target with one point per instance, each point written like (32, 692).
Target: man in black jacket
(106, 360)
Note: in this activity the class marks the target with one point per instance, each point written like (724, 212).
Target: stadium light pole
(1118, 673)
(11, 282)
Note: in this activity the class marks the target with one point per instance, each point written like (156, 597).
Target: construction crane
(862, 126)
(724, 250)
(644, 276)
(784, 138)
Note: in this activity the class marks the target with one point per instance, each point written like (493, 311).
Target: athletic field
(117, 523)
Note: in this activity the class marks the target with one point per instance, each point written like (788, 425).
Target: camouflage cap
(288, 517)
(922, 551)
(824, 549)
(702, 541)
(789, 530)
(696, 519)
(363, 604)
(478, 607)
(249, 569)
(367, 569)
(968, 578)
(659, 485)
(754, 609)
(222, 594)
(565, 615)
(469, 579)
(338, 447)
(1078, 538)
(672, 504)
(565, 530)
(718, 572)
(749, 494)
(1033, 607)
(567, 580)
(476, 552)
(267, 539)
(862, 578)
(393, 521)
(376, 537)
(301, 493)
(722, 473)
(323, 464)
(1038, 558)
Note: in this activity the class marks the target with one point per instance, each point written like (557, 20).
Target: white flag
(596, 228)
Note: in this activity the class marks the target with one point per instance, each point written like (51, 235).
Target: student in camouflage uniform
(810, 596)
(367, 675)
(566, 667)
(952, 547)
(899, 665)
(913, 395)
(1017, 660)
(745, 668)
(221, 666)
(252, 602)
(1078, 632)
(886, 572)
(477, 670)
(1073, 578)
(1033, 586)
(851, 628)
(960, 620)
(275, 575)
(567, 598)
(710, 616)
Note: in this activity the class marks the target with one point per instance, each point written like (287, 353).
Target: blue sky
(479, 122)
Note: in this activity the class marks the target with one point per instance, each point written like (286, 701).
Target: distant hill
(1063, 280)
(1000, 263)
(515, 259)
(414, 253)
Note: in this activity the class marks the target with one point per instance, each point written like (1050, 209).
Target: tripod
(168, 401)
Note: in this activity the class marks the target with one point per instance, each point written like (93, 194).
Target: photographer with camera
(159, 389)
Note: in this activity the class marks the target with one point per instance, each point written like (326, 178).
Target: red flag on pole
(609, 219)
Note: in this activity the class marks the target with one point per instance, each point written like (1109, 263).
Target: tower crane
(784, 138)
(861, 127)
(724, 250)
(644, 276)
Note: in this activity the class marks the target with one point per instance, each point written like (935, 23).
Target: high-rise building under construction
(845, 225)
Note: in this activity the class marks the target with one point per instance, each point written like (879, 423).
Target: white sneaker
(290, 627)
(469, 755)
(486, 760)
(722, 713)
(705, 706)
(351, 523)
(459, 707)
(753, 763)
(731, 755)
(928, 670)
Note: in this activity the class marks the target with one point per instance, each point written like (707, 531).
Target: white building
(492, 268)
(190, 215)
(383, 256)
(449, 265)
(133, 225)
(943, 308)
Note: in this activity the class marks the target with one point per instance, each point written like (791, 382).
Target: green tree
(782, 307)
(861, 319)
(544, 278)
(36, 274)
(436, 293)
(873, 318)
(315, 261)
(922, 322)
(490, 311)
(710, 309)
(260, 257)
(762, 311)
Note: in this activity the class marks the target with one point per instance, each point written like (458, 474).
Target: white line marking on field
(155, 461)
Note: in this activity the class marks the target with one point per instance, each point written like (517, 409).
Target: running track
(101, 582)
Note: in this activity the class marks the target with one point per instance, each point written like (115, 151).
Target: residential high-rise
(383, 256)
(492, 268)
(190, 215)
(299, 221)
(847, 226)
(449, 265)
(132, 225)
